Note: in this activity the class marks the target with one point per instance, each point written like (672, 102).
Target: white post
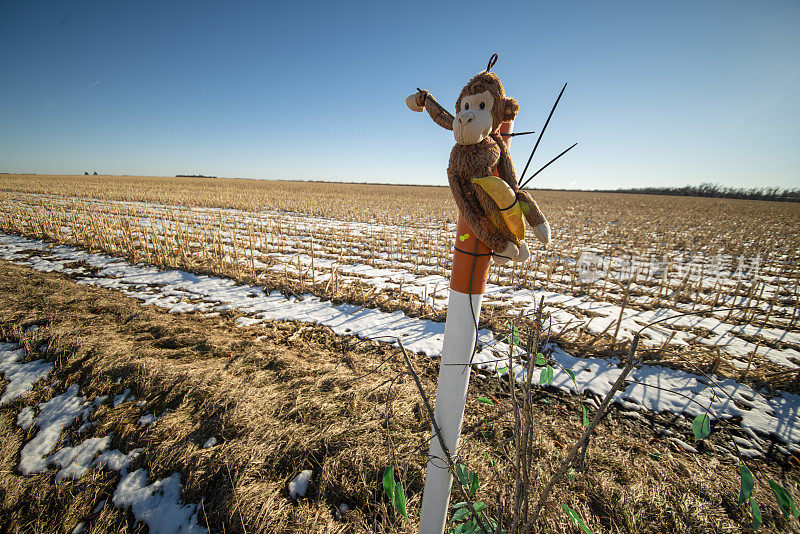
(451, 395)
(471, 261)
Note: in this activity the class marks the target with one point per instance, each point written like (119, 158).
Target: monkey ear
(510, 109)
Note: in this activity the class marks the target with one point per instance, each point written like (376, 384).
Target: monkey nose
(465, 117)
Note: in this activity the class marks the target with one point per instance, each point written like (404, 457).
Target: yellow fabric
(504, 196)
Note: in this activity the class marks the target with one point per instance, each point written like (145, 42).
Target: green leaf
(576, 519)
(572, 376)
(459, 505)
(585, 417)
(462, 473)
(701, 426)
(513, 337)
(756, 513)
(540, 359)
(388, 482)
(546, 376)
(785, 500)
(400, 498)
(485, 400)
(461, 513)
(502, 370)
(747, 484)
(473, 483)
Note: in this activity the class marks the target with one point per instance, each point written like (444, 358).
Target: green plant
(394, 491)
(464, 519)
(701, 426)
(576, 519)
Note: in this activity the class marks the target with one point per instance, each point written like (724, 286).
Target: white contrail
(84, 89)
(95, 84)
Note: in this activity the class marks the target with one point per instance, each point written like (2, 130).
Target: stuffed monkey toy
(481, 108)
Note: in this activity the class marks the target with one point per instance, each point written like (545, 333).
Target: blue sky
(668, 93)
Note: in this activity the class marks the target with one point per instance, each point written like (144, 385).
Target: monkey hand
(416, 102)
(542, 232)
(513, 253)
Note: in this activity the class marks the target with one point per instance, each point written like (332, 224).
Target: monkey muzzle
(471, 127)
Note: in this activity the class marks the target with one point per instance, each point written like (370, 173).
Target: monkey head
(481, 108)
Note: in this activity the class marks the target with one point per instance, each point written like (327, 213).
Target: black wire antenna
(512, 134)
(546, 165)
(522, 176)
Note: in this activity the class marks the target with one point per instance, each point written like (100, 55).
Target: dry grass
(411, 232)
(281, 399)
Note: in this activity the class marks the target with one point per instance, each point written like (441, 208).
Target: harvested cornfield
(326, 275)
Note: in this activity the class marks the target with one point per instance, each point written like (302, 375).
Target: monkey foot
(511, 252)
(524, 252)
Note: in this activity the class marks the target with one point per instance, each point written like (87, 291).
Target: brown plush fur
(479, 160)
(440, 116)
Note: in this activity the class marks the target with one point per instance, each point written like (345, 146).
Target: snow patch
(148, 419)
(54, 415)
(158, 504)
(117, 460)
(20, 376)
(25, 418)
(659, 389)
(75, 461)
(123, 397)
(299, 485)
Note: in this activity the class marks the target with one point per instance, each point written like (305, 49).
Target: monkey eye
(466, 106)
(483, 105)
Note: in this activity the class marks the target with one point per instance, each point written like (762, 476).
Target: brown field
(283, 398)
(255, 231)
(637, 221)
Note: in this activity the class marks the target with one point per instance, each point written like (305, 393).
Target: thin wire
(471, 306)
(548, 163)
(542, 132)
(516, 133)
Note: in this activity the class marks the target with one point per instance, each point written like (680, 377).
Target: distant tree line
(718, 191)
(193, 176)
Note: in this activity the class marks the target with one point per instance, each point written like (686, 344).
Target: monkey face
(474, 122)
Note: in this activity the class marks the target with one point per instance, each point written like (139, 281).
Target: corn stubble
(237, 228)
(253, 231)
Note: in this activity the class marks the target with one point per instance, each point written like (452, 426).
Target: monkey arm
(505, 167)
(530, 209)
(442, 117)
(533, 214)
